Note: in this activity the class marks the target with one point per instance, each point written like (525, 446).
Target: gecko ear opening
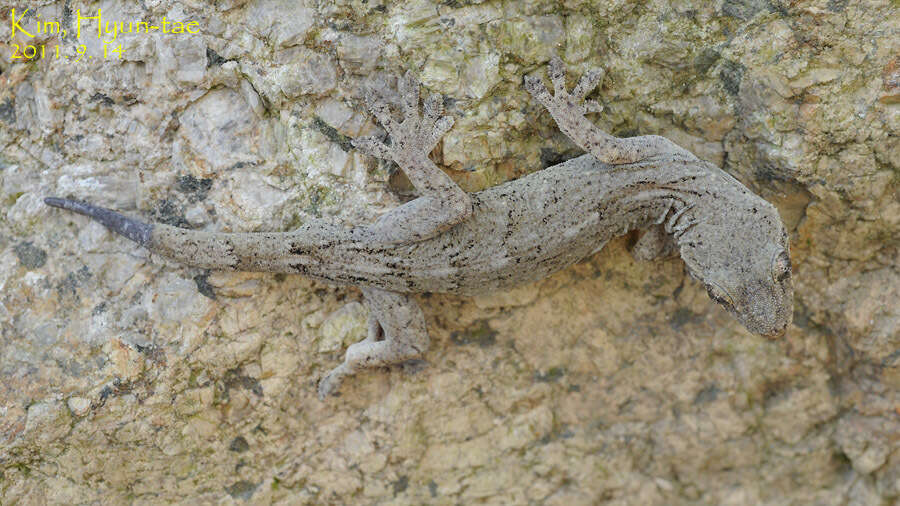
(720, 296)
(781, 267)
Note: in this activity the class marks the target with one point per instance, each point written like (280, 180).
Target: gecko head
(738, 248)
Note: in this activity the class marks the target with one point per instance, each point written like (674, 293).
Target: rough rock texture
(124, 378)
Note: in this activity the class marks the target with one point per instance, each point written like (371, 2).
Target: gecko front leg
(442, 203)
(569, 110)
(396, 333)
(653, 244)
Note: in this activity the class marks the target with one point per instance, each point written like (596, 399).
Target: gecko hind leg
(442, 203)
(396, 333)
(569, 110)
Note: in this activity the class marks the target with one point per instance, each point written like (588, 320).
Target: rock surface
(129, 379)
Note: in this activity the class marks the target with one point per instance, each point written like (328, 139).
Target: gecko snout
(767, 308)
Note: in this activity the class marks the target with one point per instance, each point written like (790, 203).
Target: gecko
(449, 241)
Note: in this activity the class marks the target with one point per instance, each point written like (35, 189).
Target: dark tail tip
(137, 231)
(53, 201)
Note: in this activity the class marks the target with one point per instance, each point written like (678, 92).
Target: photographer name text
(106, 30)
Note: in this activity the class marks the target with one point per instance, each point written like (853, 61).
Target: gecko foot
(565, 107)
(413, 137)
(396, 334)
(330, 383)
(367, 354)
(442, 203)
(654, 244)
(570, 110)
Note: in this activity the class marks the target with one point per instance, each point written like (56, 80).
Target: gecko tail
(137, 231)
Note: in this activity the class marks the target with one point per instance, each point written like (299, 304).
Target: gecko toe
(536, 87)
(372, 146)
(328, 386)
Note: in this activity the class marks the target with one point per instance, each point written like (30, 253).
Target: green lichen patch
(198, 189)
(8, 111)
(239, 445)
(29, 255)
(482, 335)
(242, 489)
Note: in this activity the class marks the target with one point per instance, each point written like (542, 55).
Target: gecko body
(447, 241)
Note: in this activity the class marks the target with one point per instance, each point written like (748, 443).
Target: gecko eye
(719, 295)
(781, 267)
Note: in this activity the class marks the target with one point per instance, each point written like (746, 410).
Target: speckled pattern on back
(731, 240)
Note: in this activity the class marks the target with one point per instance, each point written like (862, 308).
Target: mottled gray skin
(449, 241)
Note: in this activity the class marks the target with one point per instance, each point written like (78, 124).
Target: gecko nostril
(776, 334)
